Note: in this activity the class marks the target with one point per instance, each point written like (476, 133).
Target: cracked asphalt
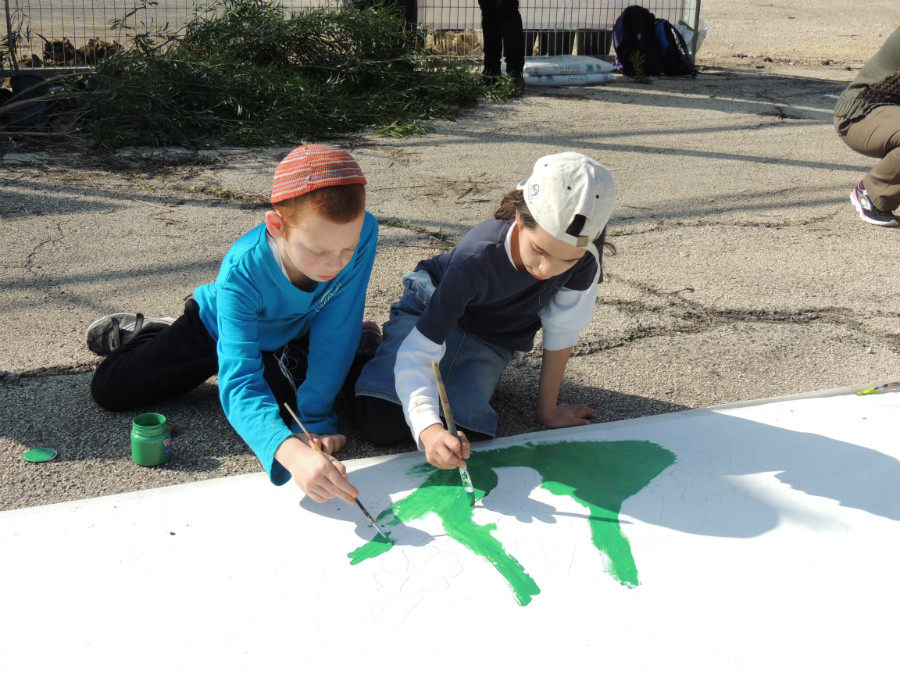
(742, 270)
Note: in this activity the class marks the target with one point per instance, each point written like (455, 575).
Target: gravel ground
(742, 273)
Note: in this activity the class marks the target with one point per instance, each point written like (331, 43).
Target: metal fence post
(696, 32)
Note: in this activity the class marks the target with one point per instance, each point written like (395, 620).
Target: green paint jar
(151, 440)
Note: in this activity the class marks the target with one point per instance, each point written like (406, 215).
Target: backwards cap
(311, 167)
(563, 187)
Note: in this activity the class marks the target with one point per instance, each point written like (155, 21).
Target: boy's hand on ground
(443, 449)
(566, 415)
(319, 475)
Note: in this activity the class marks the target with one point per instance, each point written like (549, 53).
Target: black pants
(379, 421)
(409, 8)
(162, 362)
(501, 25)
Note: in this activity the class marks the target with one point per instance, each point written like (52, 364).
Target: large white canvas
(769, 545)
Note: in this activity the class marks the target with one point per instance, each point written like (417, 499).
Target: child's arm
(247, 400)
(414, 381)
(549, 411)
(319, 475)
(568, 313)
(334, 337)
(252, 410)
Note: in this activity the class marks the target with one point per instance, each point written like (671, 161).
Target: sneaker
(370, 339)
(111, 332)
(868, 211)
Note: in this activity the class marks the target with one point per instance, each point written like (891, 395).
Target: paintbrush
(883, 387)
(316, 445)
(451, 427)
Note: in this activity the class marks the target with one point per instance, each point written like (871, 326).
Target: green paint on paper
(374, 548)
(599, 475)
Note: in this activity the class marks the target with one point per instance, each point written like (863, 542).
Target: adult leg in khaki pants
(878, 135)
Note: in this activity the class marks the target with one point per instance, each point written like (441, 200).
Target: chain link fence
(75, 33)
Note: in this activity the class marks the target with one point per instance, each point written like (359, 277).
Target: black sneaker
(112, 331)
(518, 80)
(868, 211)
(369, 340)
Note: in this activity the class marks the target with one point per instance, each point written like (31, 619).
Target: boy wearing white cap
(535, 264)
(280, 324)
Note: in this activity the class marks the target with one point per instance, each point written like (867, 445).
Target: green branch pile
(253, 75)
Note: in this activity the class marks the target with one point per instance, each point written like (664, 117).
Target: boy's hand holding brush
(316, 472)
(329, 484)
(444, 450)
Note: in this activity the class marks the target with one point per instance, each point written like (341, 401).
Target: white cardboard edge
(529, 437)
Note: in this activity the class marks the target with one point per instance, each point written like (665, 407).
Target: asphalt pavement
(742, 270)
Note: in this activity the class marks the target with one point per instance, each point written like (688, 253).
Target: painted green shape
(374, 548)
(600, 475)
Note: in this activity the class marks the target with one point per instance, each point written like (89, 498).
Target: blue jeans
(471, 367)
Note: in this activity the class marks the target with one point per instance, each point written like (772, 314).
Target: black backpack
(634, 39)
(646, 45)
(676, 57)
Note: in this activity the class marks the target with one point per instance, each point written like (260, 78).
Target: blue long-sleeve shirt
(252, 307)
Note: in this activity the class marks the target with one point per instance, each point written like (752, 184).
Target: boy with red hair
(280, 324)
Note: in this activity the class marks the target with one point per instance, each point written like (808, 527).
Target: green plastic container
(151, 440)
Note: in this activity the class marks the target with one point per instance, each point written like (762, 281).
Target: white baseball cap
(567, 185)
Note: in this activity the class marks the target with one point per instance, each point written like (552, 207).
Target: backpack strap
(676, 54)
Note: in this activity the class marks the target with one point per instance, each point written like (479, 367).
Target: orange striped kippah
(311, 167)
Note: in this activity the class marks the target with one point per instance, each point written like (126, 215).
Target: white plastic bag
(688, 34)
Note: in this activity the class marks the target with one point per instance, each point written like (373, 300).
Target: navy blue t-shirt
(478, 288)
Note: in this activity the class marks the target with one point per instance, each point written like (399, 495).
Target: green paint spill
(599, 475)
